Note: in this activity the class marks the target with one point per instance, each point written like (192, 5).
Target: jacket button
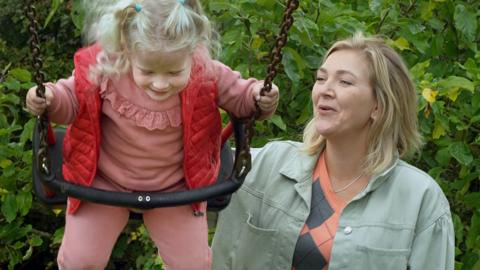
(348, 230)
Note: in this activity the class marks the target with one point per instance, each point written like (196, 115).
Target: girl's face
(161, 74)
(343, 99)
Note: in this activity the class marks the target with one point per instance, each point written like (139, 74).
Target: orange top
(315, 242)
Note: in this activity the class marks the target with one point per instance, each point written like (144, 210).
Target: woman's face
(161, 75)
(343, 99)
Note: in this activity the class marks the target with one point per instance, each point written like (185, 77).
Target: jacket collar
(378, 179)
(300, 166)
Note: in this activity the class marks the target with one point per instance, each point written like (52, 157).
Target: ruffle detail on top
(142, 117)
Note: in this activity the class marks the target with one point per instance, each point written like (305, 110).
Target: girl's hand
(37, 105)
(269, 101)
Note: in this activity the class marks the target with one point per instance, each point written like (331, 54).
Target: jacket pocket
(380, 259)
(254, 248)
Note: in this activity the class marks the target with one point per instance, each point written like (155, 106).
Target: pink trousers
(90, 235)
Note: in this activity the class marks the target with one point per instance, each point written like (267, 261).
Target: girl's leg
(181, 237)
(90, 235)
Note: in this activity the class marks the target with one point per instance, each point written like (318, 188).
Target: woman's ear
(375, 112)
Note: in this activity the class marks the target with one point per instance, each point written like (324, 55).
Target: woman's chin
(324, 130)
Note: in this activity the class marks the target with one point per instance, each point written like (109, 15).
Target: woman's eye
(320, 79)
(344, 82)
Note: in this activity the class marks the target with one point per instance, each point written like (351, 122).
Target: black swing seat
(217, 195)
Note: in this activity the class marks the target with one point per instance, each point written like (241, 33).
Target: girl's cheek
(184, 81)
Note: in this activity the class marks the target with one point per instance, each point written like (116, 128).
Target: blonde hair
(125, 26)
(396, 128)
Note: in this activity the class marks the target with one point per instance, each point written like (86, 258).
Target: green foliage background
(439, 40)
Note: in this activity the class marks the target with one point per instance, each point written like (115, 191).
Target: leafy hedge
(439, 40)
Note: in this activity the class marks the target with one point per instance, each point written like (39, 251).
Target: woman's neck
(345, 158)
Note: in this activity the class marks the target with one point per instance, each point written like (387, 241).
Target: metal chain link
(275, 59)
(281, 40)
(37, 62)
(43, 161)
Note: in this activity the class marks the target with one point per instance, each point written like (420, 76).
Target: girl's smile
(161, 74)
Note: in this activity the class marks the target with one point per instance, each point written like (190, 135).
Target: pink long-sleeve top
(142, 143)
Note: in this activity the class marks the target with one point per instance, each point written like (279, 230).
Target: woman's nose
(325, 89)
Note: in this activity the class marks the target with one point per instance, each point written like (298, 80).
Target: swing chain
(43, 162)
(243, 166)
(37, 62)
(281, 40)
(243, 162)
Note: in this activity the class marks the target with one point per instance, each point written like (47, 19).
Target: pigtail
(123, 18)
(179, 22)
(112, 34)
(188, 26)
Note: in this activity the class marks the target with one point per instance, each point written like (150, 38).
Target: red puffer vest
(201, 128)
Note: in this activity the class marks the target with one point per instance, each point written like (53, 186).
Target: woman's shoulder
(416, 185)
(415, 177)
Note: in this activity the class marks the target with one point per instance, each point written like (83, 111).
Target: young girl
(142, 105)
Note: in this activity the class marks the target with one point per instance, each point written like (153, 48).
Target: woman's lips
(325, 108)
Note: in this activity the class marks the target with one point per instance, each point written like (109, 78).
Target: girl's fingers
(271, 97)
(41, 101)
(267, 105)
(38, 100)
(269, 100)
(36, 106)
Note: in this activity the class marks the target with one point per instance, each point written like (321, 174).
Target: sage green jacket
(401, 220)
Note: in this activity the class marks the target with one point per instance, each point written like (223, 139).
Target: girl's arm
(237, 95)
(64, 105)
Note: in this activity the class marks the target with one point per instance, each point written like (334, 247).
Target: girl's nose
(159, 83)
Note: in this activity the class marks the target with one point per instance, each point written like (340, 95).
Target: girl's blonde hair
(396, 128)
(125, 26)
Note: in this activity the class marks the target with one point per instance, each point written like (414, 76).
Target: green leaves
(9, 207)
(401, 43)
(461, 153)
(277, 121)
(466, 22)
(16, 204)
(294, 65)
(77, 14)
(452, 85)
(457, 83)
(55, 5)
(21, 74)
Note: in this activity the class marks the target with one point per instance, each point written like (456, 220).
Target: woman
(343, 199)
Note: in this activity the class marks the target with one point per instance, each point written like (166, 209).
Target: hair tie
(138, 7)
